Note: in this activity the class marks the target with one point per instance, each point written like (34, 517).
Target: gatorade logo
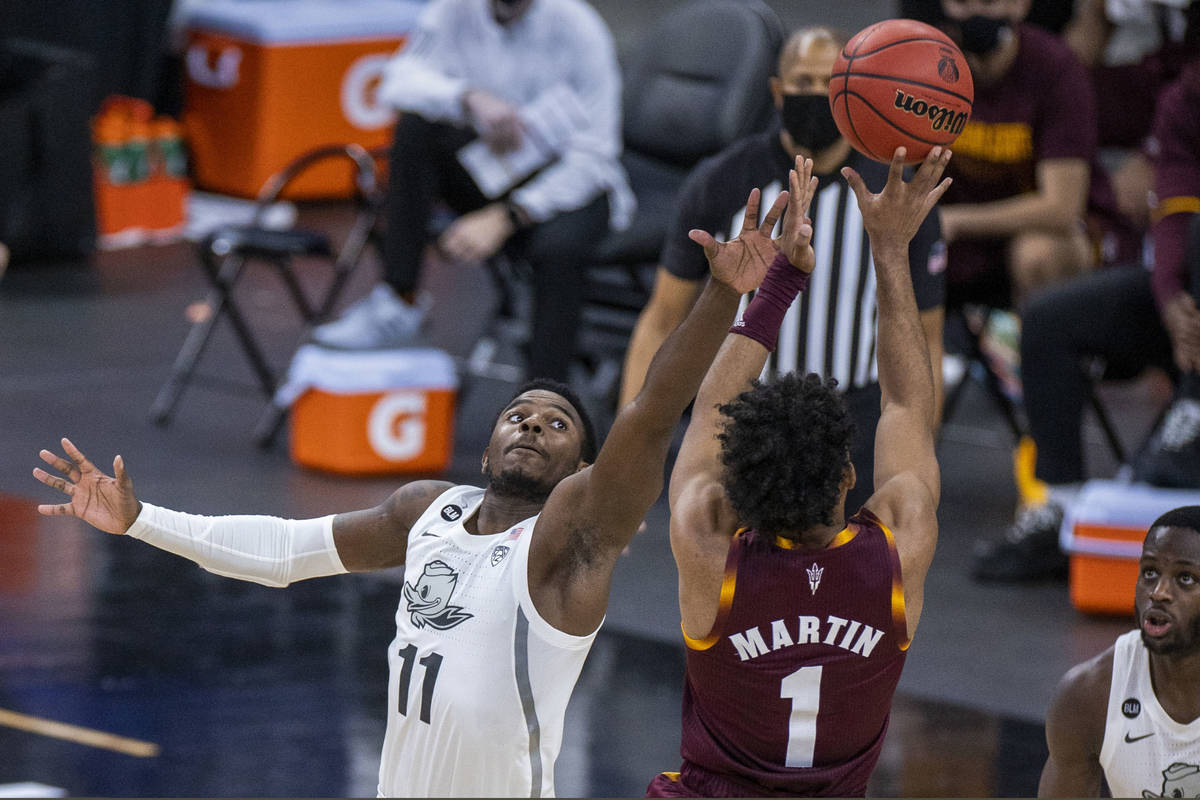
(222, 73)
(360, 93)
(396, 426)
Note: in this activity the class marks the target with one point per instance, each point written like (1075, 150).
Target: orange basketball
(900, 82)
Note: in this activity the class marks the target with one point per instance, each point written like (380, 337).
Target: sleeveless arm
(1075, 731)
(377, 538)
(594, 513)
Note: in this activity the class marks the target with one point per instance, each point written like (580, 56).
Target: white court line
(74, 733)
(30, 789)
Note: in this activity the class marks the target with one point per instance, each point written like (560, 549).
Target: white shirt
(1145, 752)
(458, 45)
(478, 682)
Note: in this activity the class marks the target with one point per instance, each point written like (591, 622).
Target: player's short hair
(588, 451)
(799, 39)
(1182, 517)
(785, 448)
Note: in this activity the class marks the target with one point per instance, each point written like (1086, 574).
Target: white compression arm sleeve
(267, 550)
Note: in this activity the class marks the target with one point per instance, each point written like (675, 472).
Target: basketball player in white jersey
(1132, 713)
(506, 586)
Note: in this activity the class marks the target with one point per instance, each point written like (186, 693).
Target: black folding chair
(227, 251)
(979, 368)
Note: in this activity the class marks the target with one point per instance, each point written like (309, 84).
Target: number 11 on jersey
(432, 663)
(803, 687)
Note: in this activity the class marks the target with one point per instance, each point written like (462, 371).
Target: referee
(830, 329)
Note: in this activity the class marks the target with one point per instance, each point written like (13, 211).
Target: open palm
(103, 501)
(742, 263)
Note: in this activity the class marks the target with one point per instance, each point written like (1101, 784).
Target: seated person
(1132, 318)
(1053, 15)
(830, 329)
(467, 73)
(1013, 217)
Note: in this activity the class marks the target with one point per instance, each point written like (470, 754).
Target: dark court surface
(248, 691)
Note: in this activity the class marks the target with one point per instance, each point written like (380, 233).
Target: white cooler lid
(1121, 505)
(294, 21)
(365, 371)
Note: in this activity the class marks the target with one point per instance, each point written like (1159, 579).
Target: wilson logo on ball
(941, 119)
(900, 83)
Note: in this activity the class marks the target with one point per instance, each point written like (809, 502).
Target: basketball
(900, 83)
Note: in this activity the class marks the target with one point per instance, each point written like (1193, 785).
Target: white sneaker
(378, 321)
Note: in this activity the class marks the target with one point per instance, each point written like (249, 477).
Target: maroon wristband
(763, 316)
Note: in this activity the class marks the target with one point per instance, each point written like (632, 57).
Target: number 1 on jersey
(803, 687)
(432, 663)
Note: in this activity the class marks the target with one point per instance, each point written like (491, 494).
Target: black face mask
(980, 34)
(809, 121)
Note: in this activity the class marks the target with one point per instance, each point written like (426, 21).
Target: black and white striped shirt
(830, 329)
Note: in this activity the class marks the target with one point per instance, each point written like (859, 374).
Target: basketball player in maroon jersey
(797, 620)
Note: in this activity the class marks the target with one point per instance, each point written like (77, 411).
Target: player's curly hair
(785, 449)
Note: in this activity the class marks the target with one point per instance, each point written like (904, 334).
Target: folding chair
(227, 251)
(695, 82)
(978, 368)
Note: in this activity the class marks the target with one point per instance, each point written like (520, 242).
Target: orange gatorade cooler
(268, 80)
(371, 412)
(1103, 532)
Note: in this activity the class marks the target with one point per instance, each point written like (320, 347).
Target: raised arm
(592, 515)
(907, 481)
(262, 549)
(701, 518)
(741, 358)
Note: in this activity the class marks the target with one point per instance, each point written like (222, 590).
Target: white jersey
(478, 682)
(1145, 752)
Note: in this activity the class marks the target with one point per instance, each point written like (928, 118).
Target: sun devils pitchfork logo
(814, 576)
(429, 599)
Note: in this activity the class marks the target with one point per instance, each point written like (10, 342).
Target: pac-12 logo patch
(1131, 707)
(429, 599)
(498, 553)
(451, 513)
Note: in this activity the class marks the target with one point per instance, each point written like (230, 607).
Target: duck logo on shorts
(429, 599)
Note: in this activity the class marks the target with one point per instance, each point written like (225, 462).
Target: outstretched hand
(742, 263)
(796, 237)
(105, 502)
(893, 216)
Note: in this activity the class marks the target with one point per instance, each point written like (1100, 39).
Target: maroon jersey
(1175, 148)
(791, 692)
(1043, 108)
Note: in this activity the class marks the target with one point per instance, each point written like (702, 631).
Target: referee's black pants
(424, 170)
(1111, 314)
